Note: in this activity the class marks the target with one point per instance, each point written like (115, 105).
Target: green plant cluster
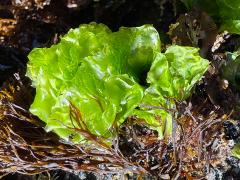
(226, 13)
(110, 76)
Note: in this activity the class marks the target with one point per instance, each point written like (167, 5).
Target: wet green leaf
(171, 77)
(225, 12)
(102, 74)
(236, 151)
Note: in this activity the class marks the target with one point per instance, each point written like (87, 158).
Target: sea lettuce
(229, 15)
(103, 74)
(171, 77)
(226, 13)
(232, 26)
(236, 150)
